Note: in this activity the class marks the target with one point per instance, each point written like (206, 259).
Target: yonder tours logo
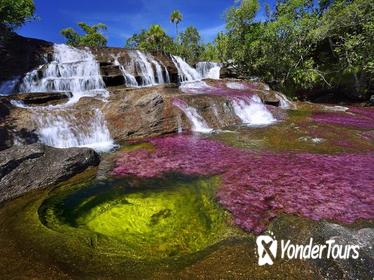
(267, 250)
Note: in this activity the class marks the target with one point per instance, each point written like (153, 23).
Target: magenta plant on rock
(256, 187)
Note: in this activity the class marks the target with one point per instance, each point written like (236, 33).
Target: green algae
(297, 133)
(155, 220)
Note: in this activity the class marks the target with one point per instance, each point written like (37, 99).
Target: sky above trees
(125, 17)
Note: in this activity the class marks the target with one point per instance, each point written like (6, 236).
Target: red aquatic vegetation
(256, 187)
(361, 117)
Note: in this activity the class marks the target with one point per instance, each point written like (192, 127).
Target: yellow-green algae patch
(148, 220)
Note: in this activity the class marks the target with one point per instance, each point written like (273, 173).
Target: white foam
(252, 111)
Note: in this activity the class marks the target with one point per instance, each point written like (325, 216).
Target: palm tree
(176, 17)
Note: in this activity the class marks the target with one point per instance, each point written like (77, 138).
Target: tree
(93, 36)
(153, 39)
(14, 13)
(176, 17)
(190, 44)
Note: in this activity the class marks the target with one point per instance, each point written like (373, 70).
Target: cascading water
(159, 75)
(209, 70)
(185, 72)
(73, 70)
(129, 79)
(252, 111)
(76, 71)
(284, 102)
(62, 129)
(197, 121)
(144, 67)
(7, 87)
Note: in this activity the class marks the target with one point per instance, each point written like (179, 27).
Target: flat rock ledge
(30, 167)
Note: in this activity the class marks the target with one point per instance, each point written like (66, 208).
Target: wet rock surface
(42, 98)
(25, 168)
(347, 268)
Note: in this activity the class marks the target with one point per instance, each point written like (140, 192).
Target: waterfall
(129, 79)
(160, 76)
(62, 129)
(209, 70)
(185, 72)
(284, 102)
(197, 121)
(8, 87)
(74, 70)
(144, 67)
(252, 111)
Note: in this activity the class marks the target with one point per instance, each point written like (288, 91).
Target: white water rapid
(185, 71)
(62, 129)
(209, 70)
(252, 111)
(63, 126)
(197, 121)
(129, 79)
(73, 70)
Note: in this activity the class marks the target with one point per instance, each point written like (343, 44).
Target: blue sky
(125, 17)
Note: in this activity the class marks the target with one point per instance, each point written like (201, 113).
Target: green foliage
(190, 45)
(14, 13)
(300, 46)
(93, 36)
(153, 39)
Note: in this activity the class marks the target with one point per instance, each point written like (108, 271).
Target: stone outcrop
(42, 98)
(112, 74)
(20, 55)
(140, 113)
(25, 168)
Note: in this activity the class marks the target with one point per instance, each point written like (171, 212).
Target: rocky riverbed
(137, 172)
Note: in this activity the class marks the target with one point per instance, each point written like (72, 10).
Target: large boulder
(20, 55)
(25, 168)
(228, 72)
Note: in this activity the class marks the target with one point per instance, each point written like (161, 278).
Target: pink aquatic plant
(256, 187)
(361, 117)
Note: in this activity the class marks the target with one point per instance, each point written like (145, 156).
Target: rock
(340, 268)
(45, 98)
(4, 108)
(371, 100)
(228, 72)
(26, 168)
(150, 101)
(20, 55)
(5, 139)
(112, 75)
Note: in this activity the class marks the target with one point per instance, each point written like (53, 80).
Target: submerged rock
(25, 168)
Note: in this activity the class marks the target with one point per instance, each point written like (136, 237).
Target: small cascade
(145, 69)
(145, 65)
(8, 87)
(62, 129)
(285, 103)
(185, 71)
(209, 70)
(197, 121)
(252, 111)
(74, 70)
(159, 75)
(129, 79)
